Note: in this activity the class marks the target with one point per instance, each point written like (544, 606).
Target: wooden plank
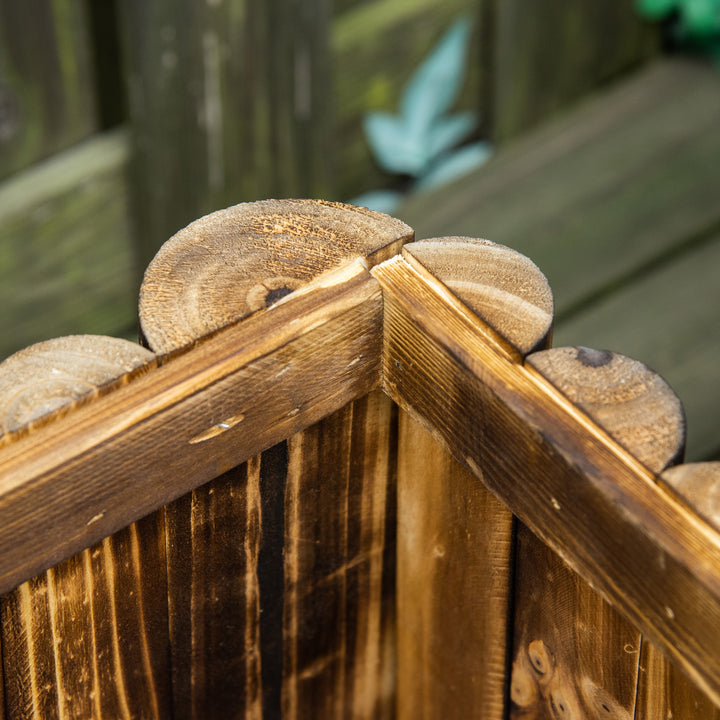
(376, 47)
(550, 53)
(46, 84)
(455, 539)
(444, 364)
(89, 638)
(281, 592)
(571, 649)
(228, 101)
(214, 602)
(311, 588)
(603, 191)
(682, 294)
(455, 545)
(664, 692)
(280, 370)
(66, 262)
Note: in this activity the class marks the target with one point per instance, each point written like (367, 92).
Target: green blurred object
(693, 23)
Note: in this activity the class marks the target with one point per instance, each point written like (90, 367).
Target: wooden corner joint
(325, 303)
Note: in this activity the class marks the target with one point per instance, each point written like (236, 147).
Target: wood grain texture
(455, 545)
(455, 539)
(88, 638)
(698, 484)
(304, 626)
(233, 262)
(213, 538)
(571, 649)
(281, 577)
(443, 363)
(665, 692)
(53, 376)
(338, 614)
(145, 444)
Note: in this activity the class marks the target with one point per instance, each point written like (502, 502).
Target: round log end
(698, 484)
(505, 288)
(233, 262)
(633, 404)
(54, 374)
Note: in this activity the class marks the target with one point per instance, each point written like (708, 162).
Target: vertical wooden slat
(337, 615)
(89, 637)
(212, 552)
(227, 102)
(547, 54)
(279, 599)
(571, 650)
(46, 89)
(455, 540)
(664, 692)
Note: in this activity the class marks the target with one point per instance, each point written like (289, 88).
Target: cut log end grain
(698, 484)
(634, 405)
(55, 374)
(505, 288)
(229, 264)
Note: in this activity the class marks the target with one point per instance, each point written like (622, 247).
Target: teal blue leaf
(436, 84)
(449, 132)
(385, 201)
(656, 9)
(395, 149)
(455, 165)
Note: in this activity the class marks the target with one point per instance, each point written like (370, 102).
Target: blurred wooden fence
(121, 122)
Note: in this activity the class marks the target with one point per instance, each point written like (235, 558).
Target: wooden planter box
(349, 480)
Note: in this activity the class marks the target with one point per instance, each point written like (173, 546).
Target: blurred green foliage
(694, 24)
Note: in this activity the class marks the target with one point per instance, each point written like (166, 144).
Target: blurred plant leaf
(394, 148)
(701, 17)
(386, 201)
(455, 165)
(656, 9)
(449, 132)
(436, 84)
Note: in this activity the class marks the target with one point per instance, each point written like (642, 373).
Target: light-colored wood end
(634, 405)
(505, 288)
(698, 484)
(51, 376)
(236, 261)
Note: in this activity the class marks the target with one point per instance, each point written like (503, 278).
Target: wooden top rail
(267, 317)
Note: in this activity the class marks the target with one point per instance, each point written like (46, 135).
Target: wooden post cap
(505, 288)
(233, 262)
(53, 374)
(634, 405)
(698, 484)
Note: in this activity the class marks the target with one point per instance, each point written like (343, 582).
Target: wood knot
(594, 358)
